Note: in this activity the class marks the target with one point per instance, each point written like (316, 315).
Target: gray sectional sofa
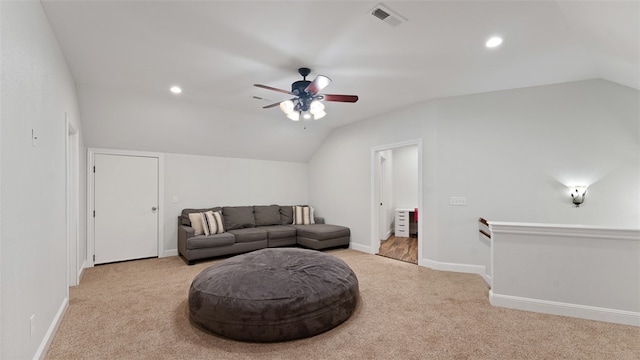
(249, 228)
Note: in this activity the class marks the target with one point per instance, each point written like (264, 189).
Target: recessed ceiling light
(176, 89)
(493, 42)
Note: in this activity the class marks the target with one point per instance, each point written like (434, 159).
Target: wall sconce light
(577, 194)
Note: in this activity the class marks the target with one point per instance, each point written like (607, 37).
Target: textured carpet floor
(138, 310)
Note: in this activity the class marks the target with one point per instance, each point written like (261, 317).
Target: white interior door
(126, 207)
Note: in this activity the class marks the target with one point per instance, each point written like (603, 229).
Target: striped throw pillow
(212, 223)
(303, 215)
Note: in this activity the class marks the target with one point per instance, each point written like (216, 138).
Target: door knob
(154, 208)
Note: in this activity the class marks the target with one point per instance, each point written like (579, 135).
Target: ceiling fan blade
(272, 88)
(262, 98)
(272, 105)
(319, 83)
(340, 98)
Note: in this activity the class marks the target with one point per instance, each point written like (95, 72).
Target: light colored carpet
(138, 310)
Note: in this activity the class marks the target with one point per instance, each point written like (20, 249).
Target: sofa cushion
(249, 234)
(267, 215)
(184, 217)
(286, 215)
(196, 222)
(205, 242)
(280, 232)
(303, 215)
(322, 231)
(212, 223)
(238, 217)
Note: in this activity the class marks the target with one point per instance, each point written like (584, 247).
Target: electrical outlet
(458, 201)
(31, 325)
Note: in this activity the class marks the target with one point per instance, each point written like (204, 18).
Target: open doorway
(397, 200)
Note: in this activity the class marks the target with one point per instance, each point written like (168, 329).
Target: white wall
(37, 90)
(129, 120)
(207, 181)
(405, 176)
(511, 153)
(580, 271)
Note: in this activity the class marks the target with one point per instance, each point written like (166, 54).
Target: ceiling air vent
(382, 12)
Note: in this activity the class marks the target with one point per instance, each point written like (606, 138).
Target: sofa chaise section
(322, 236)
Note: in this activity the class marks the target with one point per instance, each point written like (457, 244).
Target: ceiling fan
(307, 100)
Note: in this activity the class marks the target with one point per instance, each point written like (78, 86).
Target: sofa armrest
(318, 220)
(187, 231)
(184, 233)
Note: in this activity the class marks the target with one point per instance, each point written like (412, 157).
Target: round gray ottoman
(273, 295)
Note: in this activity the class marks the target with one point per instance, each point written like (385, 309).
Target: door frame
(375, 218)
(382, 196)
(91, 192)
(74, 266)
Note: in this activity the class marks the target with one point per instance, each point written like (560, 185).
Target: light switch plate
(34, 138)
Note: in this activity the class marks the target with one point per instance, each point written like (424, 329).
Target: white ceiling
(216, 50)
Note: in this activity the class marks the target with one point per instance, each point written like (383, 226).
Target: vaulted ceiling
(124, 56)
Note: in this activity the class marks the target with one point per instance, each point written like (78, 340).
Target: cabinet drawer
(402, 223)
(402, 233)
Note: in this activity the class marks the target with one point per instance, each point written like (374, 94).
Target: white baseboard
(359, 247)
(488, 279)
(85, 265)
(171, 252)
(566, 309)
(51, 332)
(454, 267)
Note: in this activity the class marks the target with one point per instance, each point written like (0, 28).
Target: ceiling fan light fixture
(319, 115)
(287, 107)
(316, 108)
(308, 101)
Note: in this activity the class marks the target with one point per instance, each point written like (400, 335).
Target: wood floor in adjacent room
(400, 248)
